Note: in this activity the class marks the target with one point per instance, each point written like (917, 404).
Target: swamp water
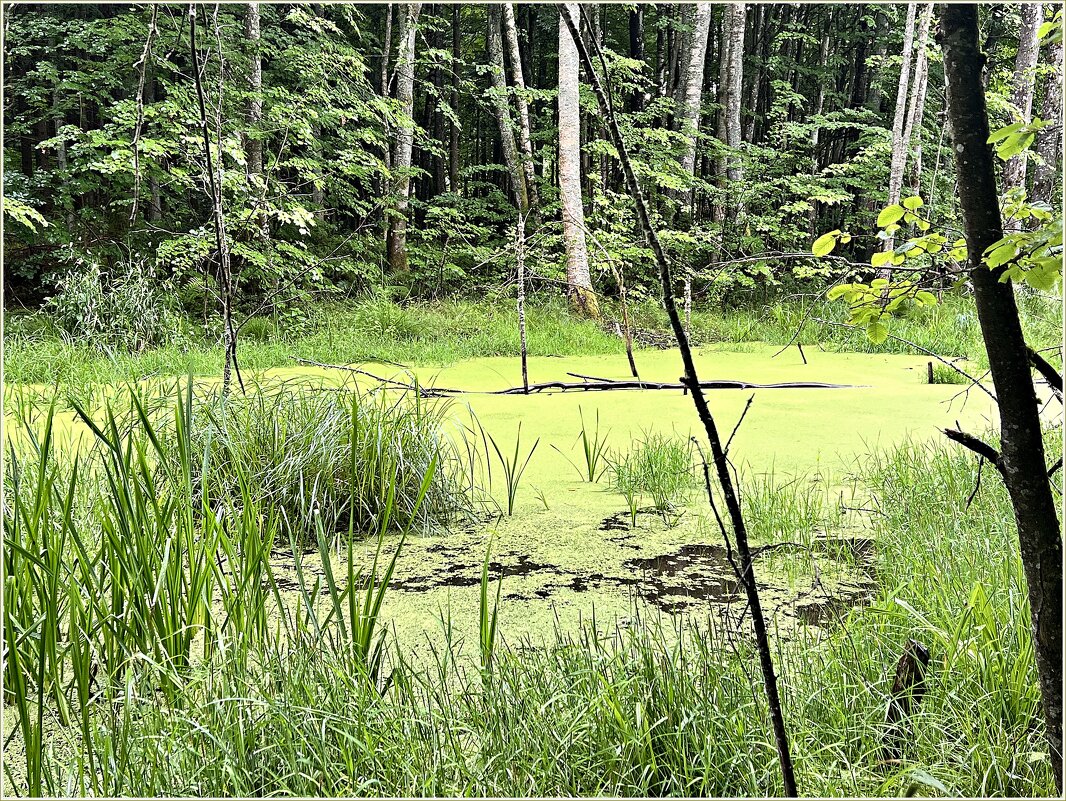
(569, 552)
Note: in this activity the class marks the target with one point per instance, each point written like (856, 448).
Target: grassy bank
(448, 331)
(152, 650)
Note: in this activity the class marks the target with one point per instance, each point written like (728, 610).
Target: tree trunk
(578, 279)
(899, 120)
(692, 94)
(819, 107)
(519, 81)
(214, 184)
(253, 146)
(913, 131)
(636, 52)
(1022, 459)
(404, 138)
(453, 145)
(1049, 140)
(1024, 79)
(730, 88)
(502, 107)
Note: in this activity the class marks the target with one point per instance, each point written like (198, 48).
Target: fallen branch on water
(587, 385)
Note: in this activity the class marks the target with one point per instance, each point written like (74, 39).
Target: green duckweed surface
(568, 551)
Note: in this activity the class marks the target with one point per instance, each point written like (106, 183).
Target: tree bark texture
(404, 138)
(519, 80)
(1024, 77)
(501, 105)
(578, 278)
(1022, 448)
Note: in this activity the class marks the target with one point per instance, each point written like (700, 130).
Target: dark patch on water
(616, 522)
(460, 574)
(692, 574)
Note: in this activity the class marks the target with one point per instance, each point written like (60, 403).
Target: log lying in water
(588, 384)
(606, 385)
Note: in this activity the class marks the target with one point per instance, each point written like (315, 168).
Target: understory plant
(330, 457)
(659, 466)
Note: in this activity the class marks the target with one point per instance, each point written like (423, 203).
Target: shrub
(659, 466)
(259, 329)
(127, 309)
(335, 456)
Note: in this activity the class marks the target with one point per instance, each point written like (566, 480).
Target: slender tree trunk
(155, 207)
(734, 89)
(899, 121)
(1022, 460)
(404, 138)
(636, 52)
(578, 278)
(453, 145)
(1024, 79)
(502, 107)
(1049, 140)
(730, 87)
(819, 107)
(214, 183)
(720, 460)
(913, 130)
(692, 94)
(253, 147)
(518, 79)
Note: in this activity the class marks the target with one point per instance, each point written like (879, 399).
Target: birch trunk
(501, 106)
(692, 96)
(899, 123)
(916, 102)
(916, 113)
(1049, 140)
(578, 279)
(404, 138)
(1024, 66)
(519, 81)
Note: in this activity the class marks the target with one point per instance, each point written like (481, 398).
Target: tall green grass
(331, 458)
(447, 331)
(149, 650)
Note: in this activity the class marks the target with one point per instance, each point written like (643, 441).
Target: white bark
(524, 138)
(502, 108)
(899, 144)
(692, 90)
(578, 279)
(1024, 78)
(404, 138)
(916, 103)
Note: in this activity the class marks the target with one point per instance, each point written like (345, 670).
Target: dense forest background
(392, 147)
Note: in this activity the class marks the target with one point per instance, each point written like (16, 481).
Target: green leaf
(1014, 145)
(1004, 132)
(881, 258)
(876, 332)
(925, 298)
(1001, 253)
(837, 291)
(913, 203)
(890, 215)
(824, 244)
